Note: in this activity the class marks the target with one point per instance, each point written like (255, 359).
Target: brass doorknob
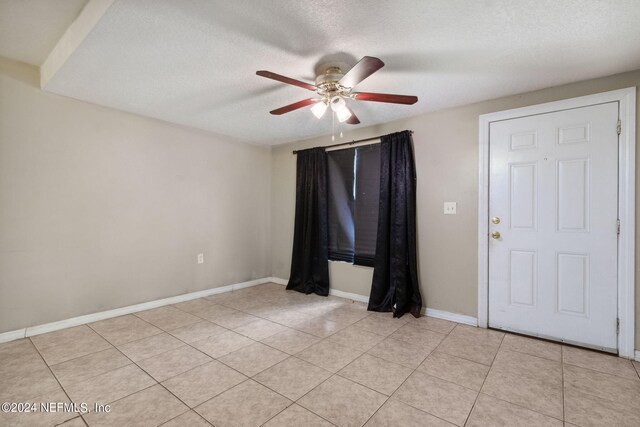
(495, 220)
(495, 234)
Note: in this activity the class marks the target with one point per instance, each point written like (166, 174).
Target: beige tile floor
(265, 356)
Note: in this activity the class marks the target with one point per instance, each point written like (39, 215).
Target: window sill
(350, 263)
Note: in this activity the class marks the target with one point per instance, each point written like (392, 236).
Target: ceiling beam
(72, 38)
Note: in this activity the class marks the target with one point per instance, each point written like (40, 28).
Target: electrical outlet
(450, 208)
(200, 258)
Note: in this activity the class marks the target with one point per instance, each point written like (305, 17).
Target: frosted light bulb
(343, 114)
(319, 109)
(337, 103)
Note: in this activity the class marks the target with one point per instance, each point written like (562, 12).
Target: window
(354, 191)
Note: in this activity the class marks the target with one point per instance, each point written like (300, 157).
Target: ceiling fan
(335, 87)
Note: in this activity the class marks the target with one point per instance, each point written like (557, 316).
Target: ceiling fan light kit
(334, 88)
(318, 109)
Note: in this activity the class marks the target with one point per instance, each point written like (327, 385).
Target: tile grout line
(57, 380)
(564, 416)
(137, 339)
(311, 316)
(466, 339)
(131, 394)
(186, 345)
(531, 355)
(408, 376)
(247, 378)
(76, 357)
(520, 406)
(295, 402)
(405, 380)
(190, 410)
(95, 376)
(147, 373)
(596, 396)
(318, 385)
(102, 373)
(153, 385)
(143, 370)
(332, 374)
(485, 379)
(136, 363)
(517, 404)
(88, 354)
(168, 332)
(336, 373)
(252, 377)
(600, 372)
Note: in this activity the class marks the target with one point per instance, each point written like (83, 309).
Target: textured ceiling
(29, 29)
(194, 62)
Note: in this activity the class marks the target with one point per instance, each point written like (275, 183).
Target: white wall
(101, 209)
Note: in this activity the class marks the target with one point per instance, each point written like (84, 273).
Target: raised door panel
(573, 195)
(523, 196)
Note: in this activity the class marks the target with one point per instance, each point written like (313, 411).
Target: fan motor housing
(328, 81)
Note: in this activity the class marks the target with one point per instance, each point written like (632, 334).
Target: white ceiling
(194, 62)
(29, 29)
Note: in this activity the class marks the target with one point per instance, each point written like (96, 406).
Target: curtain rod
(356, 141)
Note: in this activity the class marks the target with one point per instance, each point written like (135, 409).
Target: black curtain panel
(395, 275)
(310, 258)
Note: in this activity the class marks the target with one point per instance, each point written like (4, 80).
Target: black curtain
(310, 258)
(395, 275)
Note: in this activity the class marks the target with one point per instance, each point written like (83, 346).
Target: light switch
(450, 208)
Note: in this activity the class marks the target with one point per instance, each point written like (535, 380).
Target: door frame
(626, 203)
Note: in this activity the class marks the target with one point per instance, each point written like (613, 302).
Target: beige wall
(446, 152)
(102, 209)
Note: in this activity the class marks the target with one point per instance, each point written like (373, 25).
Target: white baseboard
(349, 295)
(637, 355)
(94, 317)
(454, 317)
(243, 285)
(431, 312)
(334, 292)
(12, 335)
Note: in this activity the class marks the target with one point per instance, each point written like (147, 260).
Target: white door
(553, 199)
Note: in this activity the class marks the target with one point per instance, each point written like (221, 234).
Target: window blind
(354, 190)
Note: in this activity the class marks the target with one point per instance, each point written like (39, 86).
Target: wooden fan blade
(385, 97)
(353, 120)
(287, 80)
(295, 106)
(363, 69)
